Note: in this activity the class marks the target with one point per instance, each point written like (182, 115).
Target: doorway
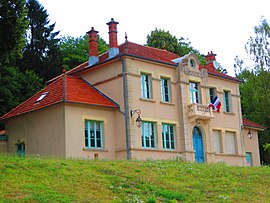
(20, 149)
(198, 145)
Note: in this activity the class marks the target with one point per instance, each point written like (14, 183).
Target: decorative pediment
(189, 66)
(189, 62)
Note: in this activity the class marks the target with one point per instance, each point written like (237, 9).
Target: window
(148, 135)
(227, 101)
(212, 93)
(192, 63)
(230, 143)
(168, 138)
(42, 97)
(146, 86)
(165, 90)
(217, 141)
(93, 134)
(194, 92)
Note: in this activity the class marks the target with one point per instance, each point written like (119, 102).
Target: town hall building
(135, 102)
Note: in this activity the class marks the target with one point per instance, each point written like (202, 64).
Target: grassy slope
(51, 180)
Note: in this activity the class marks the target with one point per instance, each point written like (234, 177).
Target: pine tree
(42, 52)
(13, 24)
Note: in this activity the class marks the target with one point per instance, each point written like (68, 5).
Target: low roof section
(64, 89)
(250, 124)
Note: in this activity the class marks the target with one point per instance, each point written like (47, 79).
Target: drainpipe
(126, 108)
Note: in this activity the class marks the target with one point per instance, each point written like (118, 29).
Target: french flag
(216, 104)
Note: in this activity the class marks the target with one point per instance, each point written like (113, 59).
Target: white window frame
(165, 89)
(194, 92)
(227, 101)
(168, 136)
(146, 86)
(93, 134)
(148, 134)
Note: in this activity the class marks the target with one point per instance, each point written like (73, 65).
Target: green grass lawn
(58, 180)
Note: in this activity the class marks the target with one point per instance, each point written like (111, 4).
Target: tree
(42, 52)
(258, 47)
(75, 50)
(13, 24)
(255, 91)
(15, 86)
(164, 40)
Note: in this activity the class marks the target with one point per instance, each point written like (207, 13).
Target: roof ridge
(149, 47)
(76, 67)
(64, 87)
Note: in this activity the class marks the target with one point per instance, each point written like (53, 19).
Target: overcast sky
(210, 25)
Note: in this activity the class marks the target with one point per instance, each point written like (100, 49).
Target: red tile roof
(214, 72)
(251, 124)
(64, 88)
(135, 50)
(148, 53)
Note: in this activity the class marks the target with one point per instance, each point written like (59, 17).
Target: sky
(210, 25)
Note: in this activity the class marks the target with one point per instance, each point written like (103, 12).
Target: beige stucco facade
(252, 146)
(42, 131)
(58, 130)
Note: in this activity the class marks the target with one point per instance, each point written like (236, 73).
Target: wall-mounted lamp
(250, 134)
(138, 120)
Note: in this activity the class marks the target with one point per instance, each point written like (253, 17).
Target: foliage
(255, 91)
(30, 83)
(258, 46)
(16, 87)
(164, 40)
(9, 88)
(56, 180)
(13, 24)
(75, 50)
(41, 53)
(221, 69)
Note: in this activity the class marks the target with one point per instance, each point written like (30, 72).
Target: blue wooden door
(198, 145)
(21, 149)
(248, 159)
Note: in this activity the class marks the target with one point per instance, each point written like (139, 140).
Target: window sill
(157, 150)
(229, 113)
(228, 154)
(167, 103)
(147, 100)
(94, 149)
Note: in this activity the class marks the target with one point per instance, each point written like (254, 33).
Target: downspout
(126, 108)
(241, 124)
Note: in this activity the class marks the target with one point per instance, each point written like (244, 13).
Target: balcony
(200, 111)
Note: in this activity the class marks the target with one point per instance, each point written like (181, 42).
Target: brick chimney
(93, 46)
(114, 50)
(210, 58)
